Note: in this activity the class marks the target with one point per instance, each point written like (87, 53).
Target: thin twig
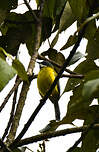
(86, 22)
(52, 134)
(11, 115)
(80, 76)
(43, 101)
(17, 82)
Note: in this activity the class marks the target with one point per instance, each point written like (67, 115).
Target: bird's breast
(45, 79)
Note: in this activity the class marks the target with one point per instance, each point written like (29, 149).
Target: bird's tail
(57, 110)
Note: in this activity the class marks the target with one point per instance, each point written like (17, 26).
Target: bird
(45, 78)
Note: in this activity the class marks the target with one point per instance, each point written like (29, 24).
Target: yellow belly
(45, 79)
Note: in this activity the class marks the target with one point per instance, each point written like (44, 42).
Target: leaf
(14, 34)
(46, 28)
(77, 56)
(83, 68)
(77, 107)
(79, 8)
(49, 7)
(53, 125)
(91, 140)
(8, 5)
(89, 88)
(93, 47)
(67, 19)
(3, 14)
(59, 6)
(6, 73)
(71, 40)
(18, 66)
(90, 30)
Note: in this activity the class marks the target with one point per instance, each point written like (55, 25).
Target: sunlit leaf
(77, 107)
(71, 40)
(90, 87)
(83, 68)
(6, 73)
(77, 56)
(20, 69)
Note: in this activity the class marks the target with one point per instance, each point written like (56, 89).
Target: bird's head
(45, 64)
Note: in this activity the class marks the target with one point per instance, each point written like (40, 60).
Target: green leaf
(89, 88)
(6, 73)
(15, 32)
(18, 66)
(7, 5)
(79, 8)
(59, 6)
(90, 30)
(49, 7)
(93, 47)
(53, 125)
(77, 56)
(3, 14)
(91, 140)
(46, 28)
(83, 68)
(77, 149)
(67, 19)
(77, 107)
(71, 40)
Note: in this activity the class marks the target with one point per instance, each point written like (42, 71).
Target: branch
(52, 134)
(80, 76)
(26, 85)
(48, 93)
(18, 81)
(87, 21)
(11, 115)
(3, 147)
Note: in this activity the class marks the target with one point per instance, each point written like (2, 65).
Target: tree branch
(52, 134)
(26, 85)
(3, 147)
(11, 115)
(17, 82)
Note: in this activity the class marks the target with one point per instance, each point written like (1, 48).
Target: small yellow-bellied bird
(45, 78)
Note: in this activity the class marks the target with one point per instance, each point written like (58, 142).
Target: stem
(53, 134)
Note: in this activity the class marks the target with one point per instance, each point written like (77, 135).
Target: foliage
(56, 16)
